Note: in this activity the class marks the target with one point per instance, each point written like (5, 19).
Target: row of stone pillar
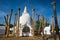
(7, 22)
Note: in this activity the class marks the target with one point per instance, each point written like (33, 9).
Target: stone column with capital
(55, 18)
(18, 25)
(42, 25)
(9, 21)
(33, 22)
(38, 15)
(15, 23)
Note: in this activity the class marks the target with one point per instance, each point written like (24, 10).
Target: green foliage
(37, 24)
(11, 25)
(47, 24)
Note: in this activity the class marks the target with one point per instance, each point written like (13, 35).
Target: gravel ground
(24, 38)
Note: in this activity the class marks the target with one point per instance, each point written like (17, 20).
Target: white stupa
(47, 30)
(25, 21)
(25, 18)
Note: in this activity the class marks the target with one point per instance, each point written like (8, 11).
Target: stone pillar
(11, 10)
(52, 24)
(6, 21)
(55, 17)
(33, 23)
(15, 23)
(38, 23)
(18, 22)
(9, 21)
(6, 24)
(45, 21)
(43, 27)
(38, 16)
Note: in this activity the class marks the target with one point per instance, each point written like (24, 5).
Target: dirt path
(23, 38)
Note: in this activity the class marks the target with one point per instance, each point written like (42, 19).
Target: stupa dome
(25, 18)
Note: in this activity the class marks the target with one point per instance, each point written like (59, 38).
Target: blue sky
(42, 7)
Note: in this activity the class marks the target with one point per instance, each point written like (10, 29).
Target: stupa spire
(25, 9)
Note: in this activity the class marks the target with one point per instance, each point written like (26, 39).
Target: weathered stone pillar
(55, 19)
(6, 24)
(15, 23)
(18, 22)
(43, 27)
(45, 21)
(33, 22)
(9, 21)
(38, 15)
(53, 24)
